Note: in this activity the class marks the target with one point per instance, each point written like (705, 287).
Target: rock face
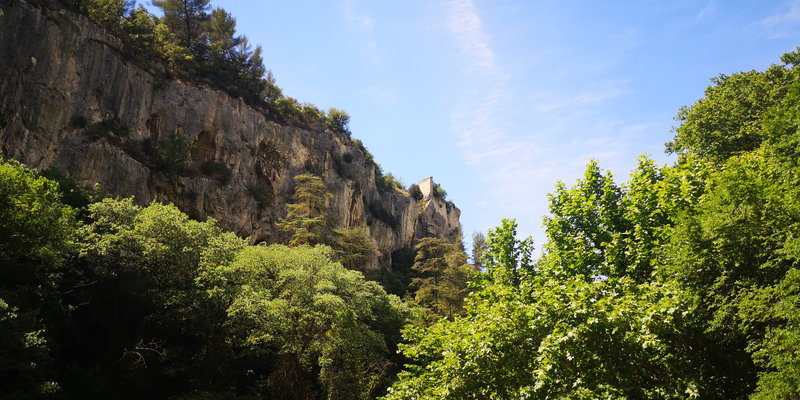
(70, 99)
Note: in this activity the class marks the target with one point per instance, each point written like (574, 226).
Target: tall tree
(508, 260)
(107, 13)
(441, 280)
(583, 222)
(328, 326)
(36, 237)
(221, 30)
(560, 337)
(478, 248)
(353, 247)
(185, 18)
(307, 219)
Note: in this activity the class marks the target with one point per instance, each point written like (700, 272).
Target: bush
(439, 192)
(103, 129)
(288, 109)
(415, 192)
(263, 196)
(311, 114)
(217, 170)
(169, 154)
(338, 121)
(382, 214)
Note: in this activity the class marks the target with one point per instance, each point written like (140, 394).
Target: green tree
(429, 265)
(441, 277)
(353, 247)
(726, 121)
(221, 28)
(325, 323)
(36, 237)
(175, 54)
(415, 192)
(561, 337)
(139, 36)
(734, 249)
(185, 18)
(107, 13)
(145, 307)
(307, 218)
(478, 248)
(508, 260)
(583, 222)
(338, 121)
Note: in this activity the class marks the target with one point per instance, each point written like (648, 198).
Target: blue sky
(498, 100)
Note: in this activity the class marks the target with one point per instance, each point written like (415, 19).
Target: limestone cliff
(70, 99)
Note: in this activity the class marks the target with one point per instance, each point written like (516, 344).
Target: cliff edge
(70, 99)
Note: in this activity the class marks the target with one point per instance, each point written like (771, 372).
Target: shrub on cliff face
(379, 212)
(171, 153)
(439, 192)
(415, 192)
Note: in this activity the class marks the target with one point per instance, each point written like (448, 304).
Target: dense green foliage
(146, 303)
(441, 277)
(680, 283)
(308, 221)
(307, 218)
(36, 233)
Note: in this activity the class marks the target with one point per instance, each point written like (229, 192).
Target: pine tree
(442, 277)
(478, 247)
(308, 218)
(353, 247)
(185, 18)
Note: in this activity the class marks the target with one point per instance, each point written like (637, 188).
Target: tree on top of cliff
(338, 120)
(107, 13)
(185, 18)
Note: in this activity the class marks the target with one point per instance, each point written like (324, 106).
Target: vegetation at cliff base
(143, 302)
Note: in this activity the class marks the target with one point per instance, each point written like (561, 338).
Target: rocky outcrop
(70, 99)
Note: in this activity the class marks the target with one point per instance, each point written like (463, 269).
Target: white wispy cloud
(708, 10)
(465, 26)
(355, 18)
(364, 25)
(779, 24)
(518, 165)
(577, 100)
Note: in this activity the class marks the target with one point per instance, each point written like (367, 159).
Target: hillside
(72, 100)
